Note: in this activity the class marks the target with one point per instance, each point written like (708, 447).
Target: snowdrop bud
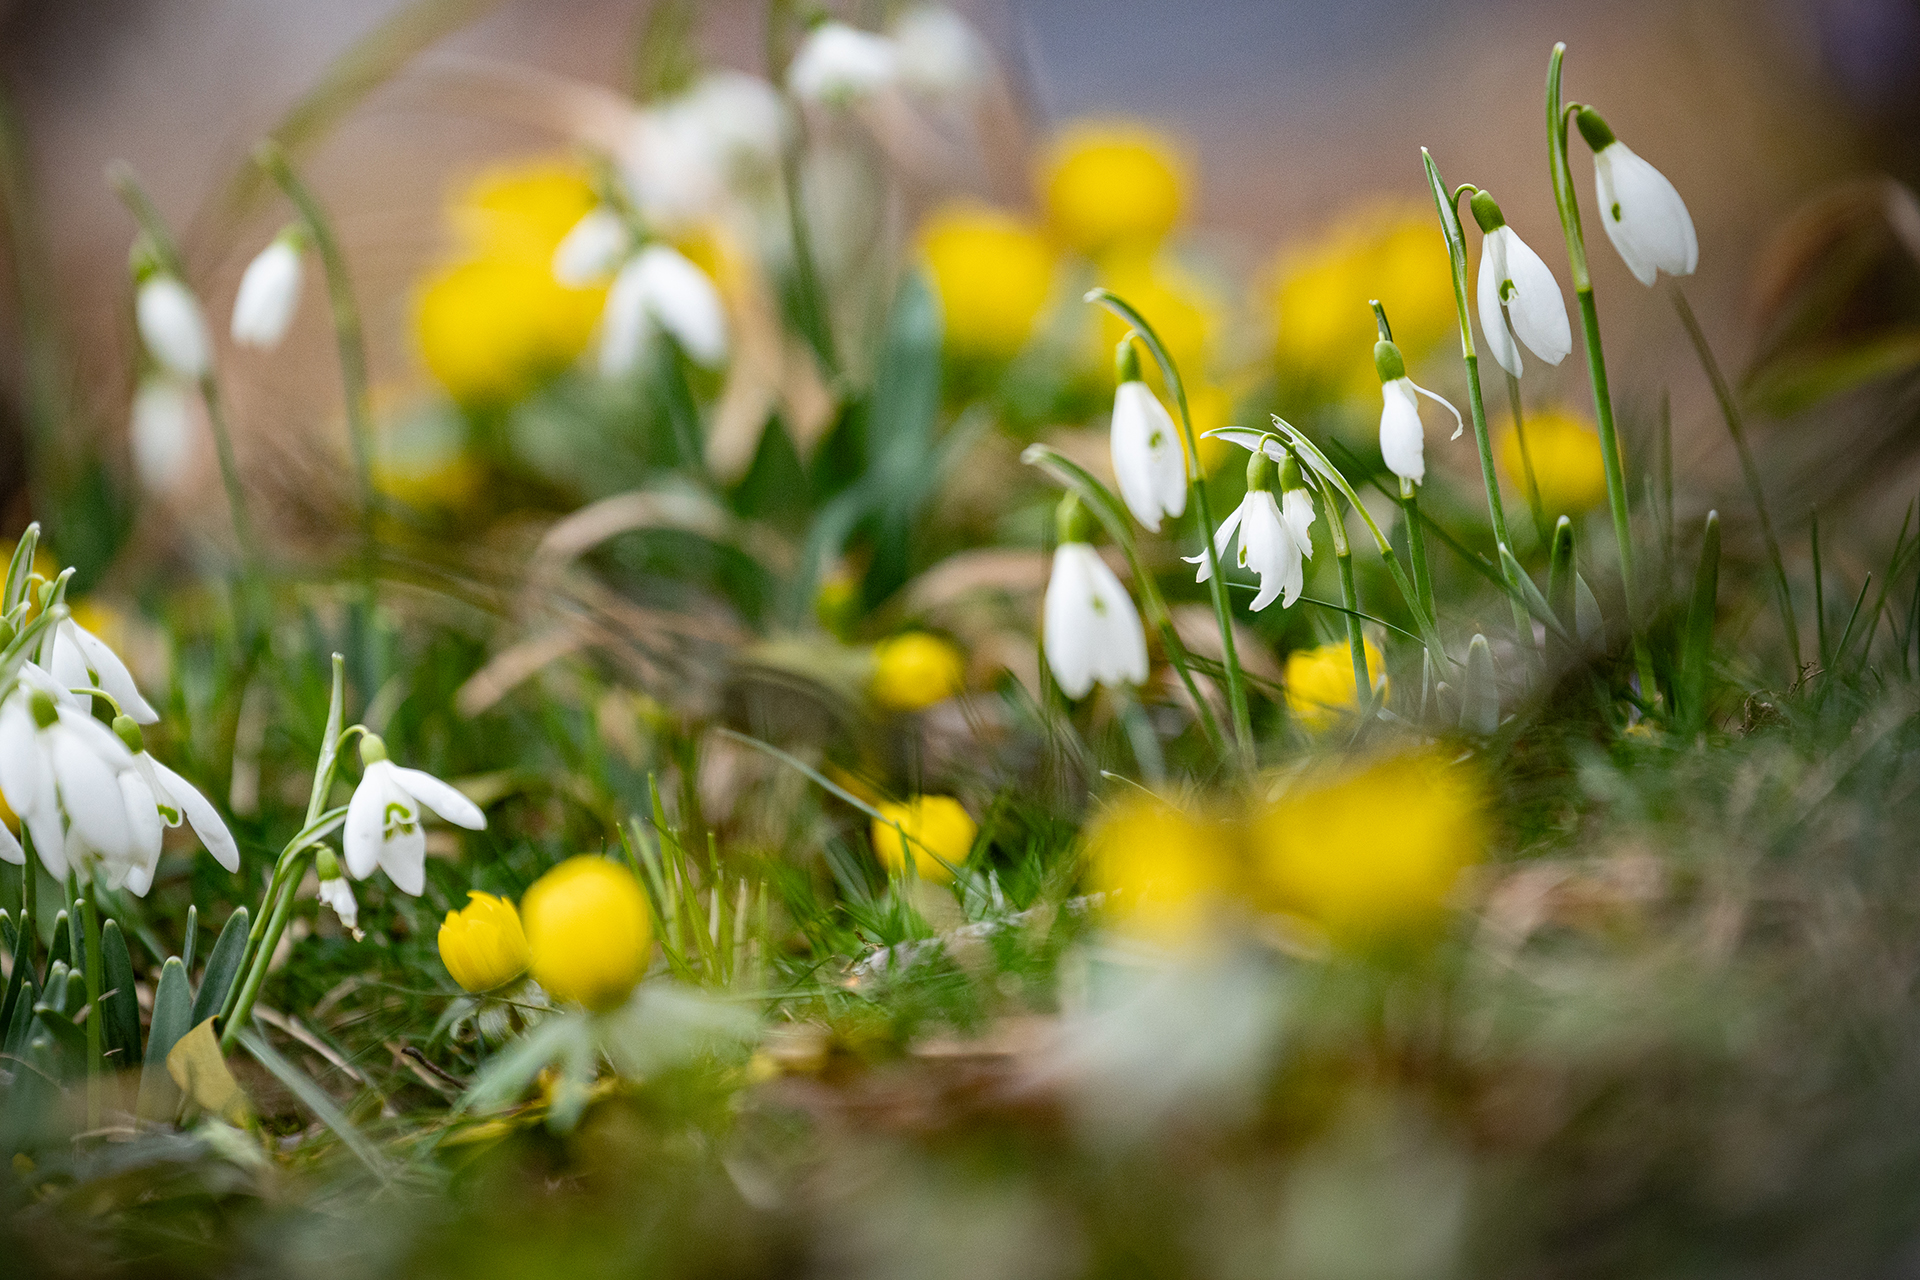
(1517, 294)
(1644, 216)
(168, 318)
(160, 433)
(592, 250)
(269, 292)
(837, 65)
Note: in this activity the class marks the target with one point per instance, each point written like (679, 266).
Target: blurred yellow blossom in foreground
(1112, 183)
(588, 930)
(1319, 681)
(495, 321)
(1164, 871)
(993, 274)
(483, 946)
(1325, 327)
(1566, 462)
(916, 670)
(1371, 851)
(939, 830)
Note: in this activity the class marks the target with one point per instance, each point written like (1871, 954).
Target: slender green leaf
(223, 965)
(1480, 691)
(315, 1099)
(1697, 647)
(172, 1018)
(118, 1005)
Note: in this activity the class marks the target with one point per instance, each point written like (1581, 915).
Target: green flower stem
(1569, 207)
(1349, 594)
(348, 333)
(1216, 581)
(243, 1004)
(1534, 504)
(1417, 546)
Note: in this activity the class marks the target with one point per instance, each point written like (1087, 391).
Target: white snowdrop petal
(1121, 649)
(168, 318)
(201, 816)
(1066, 626)
(90, 794)
(269, 294)
(159, 432)
(624, 322)
(366, 818)
(104, 663)
(1493, 325)
(403, 856)
(682, 299)
(838, 64)
(591, 250)
(1535, 306)
(10, 850)
(440, 797)
(1402, 441)
(145, 829)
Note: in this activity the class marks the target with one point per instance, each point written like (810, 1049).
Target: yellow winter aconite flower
(992, 272)
(916, 670)
(1319, 682)
(1566, 462)
(1370, 852)
(495, 321)
(588, 930)
(1163, 870)
(1326, 329)
(483, 946)
(1112, 183)
(938, 830)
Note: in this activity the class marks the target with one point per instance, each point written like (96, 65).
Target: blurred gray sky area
(1292, 110)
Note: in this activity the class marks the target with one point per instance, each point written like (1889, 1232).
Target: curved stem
(1526, 456)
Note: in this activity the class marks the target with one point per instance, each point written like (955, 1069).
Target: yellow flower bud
(1109, 184)
(916, 670)
(483, 946)
(1319, 682)
(1566, 462)
(1374, 851)
(1164, 871)
(992, 273)
(589, 931)
(939, 831)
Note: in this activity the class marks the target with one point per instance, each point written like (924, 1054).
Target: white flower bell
(270, 292)
(168, 318)
(660, 287)
(592, 250)
(160, 432)
(1402, 438)
(1518, 296)
(337, 892)
(1090, 630)
(156, 797)
(56, 762)
(82, 660)
(685, 155)
(940, 56)
(1275, 537)
(383, 818)
(1645, 217)
(1148, 461)
(838, 65)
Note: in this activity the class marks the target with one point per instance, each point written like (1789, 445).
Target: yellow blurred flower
(495, 321)
(1319, 681)
(1181, 309)
(1566, 462)
(1111, 183)
(940, 832)
(992, 272)
(916, 670)
(1165, 871)
(588, 930)
(1373, 851)
(1212, 408)
(484, 946)
(1325, 327)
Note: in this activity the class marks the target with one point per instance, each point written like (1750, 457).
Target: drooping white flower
(1148, 461)
(1091, 632)
(1402, 439)
(1275, 536)
(336, 892)
(57, 762)
(156, 797)
(269, 293)
(1513, 277)
(383, 818)
(168, 318)
(837, 65)
(82, 660)
(659, 287)
(160, 432)
(939, 54)
(685, 155)
(1645, 217)
(592, 250)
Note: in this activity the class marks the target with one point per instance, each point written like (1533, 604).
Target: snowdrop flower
(1402, 439)
(1090, 629)
(168, 318)
(159, 431)
(336, 892)
(82, 660)
(658, 286)
(1518, 296)
(592, 250)
(156, 797)
(55, 761)
(837, 64)
(270, 292)
(939, 54)
(383, 818)
(1645, 217)
(684, 155)
(1274, 536)
(1148, 461)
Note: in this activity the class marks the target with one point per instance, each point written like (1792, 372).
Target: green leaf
(315, 1099)
(120, 1009)
(1480, 691)
(19, 567)
(68, 1038)
(1560, 572)
(22, 1018)
(1697, 645)
(901, 422)
(61, 951)
(222, 967)
(172, 1018)
(1531, 597)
